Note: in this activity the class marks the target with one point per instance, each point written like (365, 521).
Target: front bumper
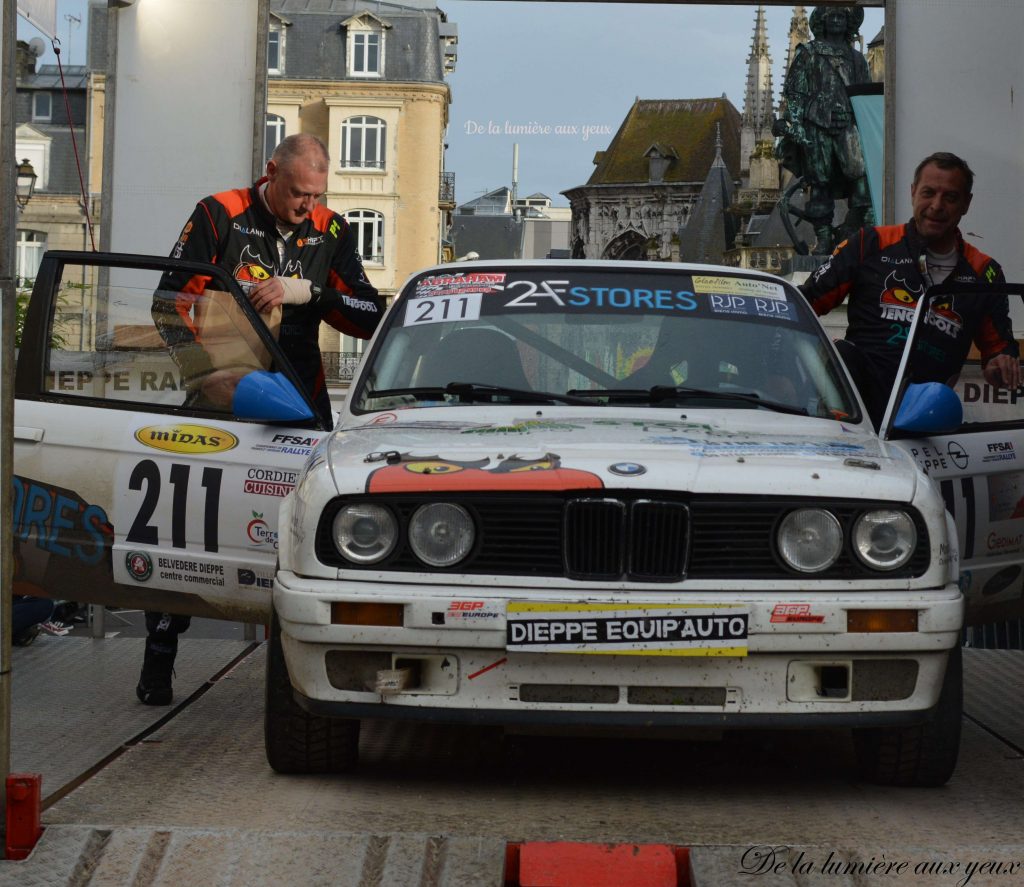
(459, 669)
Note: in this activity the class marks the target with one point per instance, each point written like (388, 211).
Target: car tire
(923, 755)
(295, 740)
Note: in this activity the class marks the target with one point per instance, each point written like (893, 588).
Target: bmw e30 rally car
(610, 494)
(585, 494)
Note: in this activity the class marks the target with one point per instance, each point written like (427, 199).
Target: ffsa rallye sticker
(627, 629)
(635, 293)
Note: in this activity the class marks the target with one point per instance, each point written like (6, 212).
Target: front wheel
(296, 741)
(923, 755)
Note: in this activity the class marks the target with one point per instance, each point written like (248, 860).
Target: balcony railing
(446, 194)
(340, 366)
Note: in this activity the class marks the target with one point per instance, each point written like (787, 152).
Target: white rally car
(626, 494)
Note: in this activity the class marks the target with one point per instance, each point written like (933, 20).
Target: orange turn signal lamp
(349, 613)
(871, 621)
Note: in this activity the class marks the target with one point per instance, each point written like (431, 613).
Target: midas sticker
(193, 439)
(738, 286)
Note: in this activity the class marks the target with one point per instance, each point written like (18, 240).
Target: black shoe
(154, 686)
(23, 639)
(154, 695)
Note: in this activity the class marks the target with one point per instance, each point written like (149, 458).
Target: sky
(565, 75)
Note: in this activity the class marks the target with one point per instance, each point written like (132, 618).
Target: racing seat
(474, 354)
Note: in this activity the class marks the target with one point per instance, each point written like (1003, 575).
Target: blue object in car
(269, 397)
(929, 408)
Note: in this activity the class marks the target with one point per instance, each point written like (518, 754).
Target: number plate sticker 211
(639, 629)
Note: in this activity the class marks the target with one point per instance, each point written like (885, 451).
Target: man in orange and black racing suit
(284, 248)
(884, 271)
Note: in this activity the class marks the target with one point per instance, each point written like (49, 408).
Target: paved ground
(195, 801)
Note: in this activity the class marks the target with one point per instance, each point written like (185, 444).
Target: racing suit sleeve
(349, 302)
(994, 335)
(829, 285)
(175, 298)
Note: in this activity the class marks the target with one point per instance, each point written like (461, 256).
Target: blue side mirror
(269, 397)
(929, 408)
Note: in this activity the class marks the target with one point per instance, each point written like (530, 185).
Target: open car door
(973, 450)
(157, 428)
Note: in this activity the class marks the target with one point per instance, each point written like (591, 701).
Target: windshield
(595, 336)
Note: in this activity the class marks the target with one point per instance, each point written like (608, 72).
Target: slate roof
(315, 42)
(63, 174)
(710, 230)
(48, 77)
(686, 126)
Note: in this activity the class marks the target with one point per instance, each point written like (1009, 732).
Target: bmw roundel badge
(627, 469)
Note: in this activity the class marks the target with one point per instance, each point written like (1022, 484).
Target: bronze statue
(819, 141)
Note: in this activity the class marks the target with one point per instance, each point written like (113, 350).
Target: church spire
(799, 32)
(758, 101)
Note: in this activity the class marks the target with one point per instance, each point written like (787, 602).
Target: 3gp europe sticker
(441, 309)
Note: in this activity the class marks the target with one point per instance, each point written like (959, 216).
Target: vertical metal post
(109, 114)
(259, 111)
(8, 295)
(889, 146)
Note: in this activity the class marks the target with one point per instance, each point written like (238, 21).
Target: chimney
(25, 61)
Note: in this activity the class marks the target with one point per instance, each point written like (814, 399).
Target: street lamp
(26, 183)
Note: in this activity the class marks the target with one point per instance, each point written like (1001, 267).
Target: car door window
(128, 336)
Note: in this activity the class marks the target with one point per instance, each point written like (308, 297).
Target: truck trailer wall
(185, 99)
(956, 84)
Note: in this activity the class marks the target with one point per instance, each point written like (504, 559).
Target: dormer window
(276, 35)
(42, 107)
(366, 55)
(659, 159)
(365, 45)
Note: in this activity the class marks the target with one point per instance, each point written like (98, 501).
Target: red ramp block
(568, 864)
(23, 805)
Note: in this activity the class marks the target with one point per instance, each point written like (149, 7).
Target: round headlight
(884, 539)
(810, 539)
(364, 533)
(441, 534)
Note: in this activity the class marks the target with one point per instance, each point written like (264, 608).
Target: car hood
(725, 451)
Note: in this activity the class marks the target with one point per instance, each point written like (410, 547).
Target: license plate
(627, 629)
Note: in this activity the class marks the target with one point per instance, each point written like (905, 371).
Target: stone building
(646, 182)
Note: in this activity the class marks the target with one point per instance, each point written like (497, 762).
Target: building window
(42, 107)
(362, 143)
(30, 248)
(273, 135)
(368, 229)
(276, 35)
(366, 54)
(274, 52)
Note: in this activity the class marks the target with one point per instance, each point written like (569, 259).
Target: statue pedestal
(804, 265)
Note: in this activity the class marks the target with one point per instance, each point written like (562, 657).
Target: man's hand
(266, 294)
(1003, 371)
(219, 386)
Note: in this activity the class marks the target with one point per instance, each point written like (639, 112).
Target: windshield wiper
(422, 393)
(661, 393)
(475, 391)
